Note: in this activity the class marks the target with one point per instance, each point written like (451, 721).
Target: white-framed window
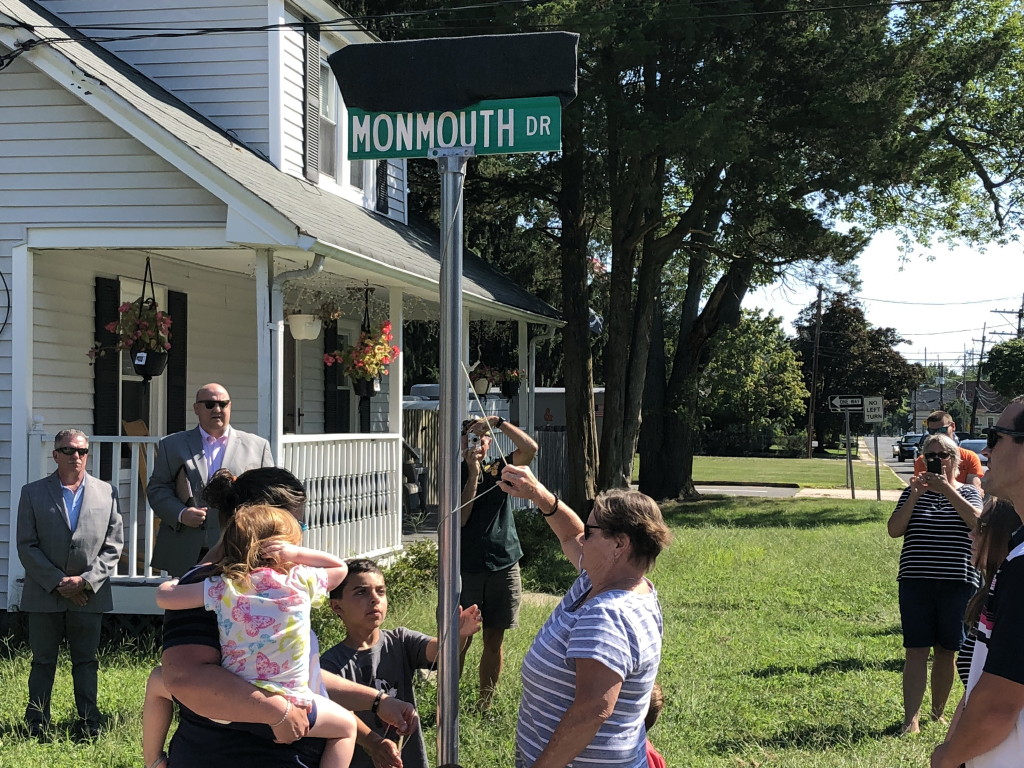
(328, 154)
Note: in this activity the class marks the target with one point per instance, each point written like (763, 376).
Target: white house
(220, 158)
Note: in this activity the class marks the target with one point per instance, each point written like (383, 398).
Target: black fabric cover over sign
(447, 73)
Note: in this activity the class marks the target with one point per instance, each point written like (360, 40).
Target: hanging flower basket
(142, 330)
(149, 363)
(368, 359)
(481, 386)
(509, 389)
(304, 327)
(366, 387)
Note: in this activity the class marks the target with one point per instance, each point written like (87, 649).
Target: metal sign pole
(878, 475)
(849, 458)
(451, 164)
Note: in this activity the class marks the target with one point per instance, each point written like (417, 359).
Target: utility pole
(942, 381)
(1020, 320)
(977, 381)
(814, 376)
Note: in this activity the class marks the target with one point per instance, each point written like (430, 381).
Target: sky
(940, 305)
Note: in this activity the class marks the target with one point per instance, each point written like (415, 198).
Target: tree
(1005, 367)
(854, 359)
(753, 387)
(727, 148)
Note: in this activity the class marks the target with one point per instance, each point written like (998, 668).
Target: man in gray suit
(184, 463)
(69, 541)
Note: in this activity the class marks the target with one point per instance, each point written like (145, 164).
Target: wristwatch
(499, 422)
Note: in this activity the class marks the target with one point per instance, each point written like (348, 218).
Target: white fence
(353, 483)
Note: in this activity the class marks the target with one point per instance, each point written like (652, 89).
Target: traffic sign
(841, 403)
(499, 127)
(873, 410)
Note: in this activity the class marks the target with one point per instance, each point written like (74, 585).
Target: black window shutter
(106, 398)
(331, 383)
(311, 102)
(382, 186)
(177, 360)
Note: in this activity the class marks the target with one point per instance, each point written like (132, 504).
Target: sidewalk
(863, 454)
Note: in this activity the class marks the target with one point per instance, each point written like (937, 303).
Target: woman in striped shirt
(935, 517)
(588, 676)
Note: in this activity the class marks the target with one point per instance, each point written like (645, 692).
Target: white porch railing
(353, 483)
(353, 488)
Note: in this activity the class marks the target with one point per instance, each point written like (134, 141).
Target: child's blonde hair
(244, 536)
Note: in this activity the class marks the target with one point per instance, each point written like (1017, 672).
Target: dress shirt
(73, 503)
(214, 448)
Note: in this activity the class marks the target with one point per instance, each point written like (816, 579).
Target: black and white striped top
(937, 544)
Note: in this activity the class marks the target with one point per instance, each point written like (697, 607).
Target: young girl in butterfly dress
(263, 597)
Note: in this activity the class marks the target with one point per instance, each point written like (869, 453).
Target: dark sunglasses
(937, 430)
(587, 528)
(211, 404)
(67, 450)
(993, 434)
(940, 455)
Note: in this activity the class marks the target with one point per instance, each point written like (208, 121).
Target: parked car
(908, 446)
(977, 446)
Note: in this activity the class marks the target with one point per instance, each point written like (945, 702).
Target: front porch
(353, 508)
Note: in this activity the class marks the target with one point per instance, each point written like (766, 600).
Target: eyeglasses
(944, 429)
(939, 455)
(993, 434)
(211, 404)
(67, 450)
(587, 528)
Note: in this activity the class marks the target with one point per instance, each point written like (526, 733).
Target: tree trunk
(577, 370)
(674, 458)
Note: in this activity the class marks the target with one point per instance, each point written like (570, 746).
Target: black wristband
(554, 508)
(376, 702)
(499, 422)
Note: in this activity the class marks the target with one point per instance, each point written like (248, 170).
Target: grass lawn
(782, 648)
(807, 473)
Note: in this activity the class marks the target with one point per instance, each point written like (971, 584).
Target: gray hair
(947, 443)
(66, 435)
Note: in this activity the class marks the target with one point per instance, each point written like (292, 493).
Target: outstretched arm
(566, 525)
(172, 596)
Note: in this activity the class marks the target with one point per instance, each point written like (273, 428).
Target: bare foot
(912, 727)
(940, 719)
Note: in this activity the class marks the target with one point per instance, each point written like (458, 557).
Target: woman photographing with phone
(935, 516)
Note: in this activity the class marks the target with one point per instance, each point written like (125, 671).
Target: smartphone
(934, 465)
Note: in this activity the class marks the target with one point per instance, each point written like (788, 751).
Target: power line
(356, 22)
(933, 303)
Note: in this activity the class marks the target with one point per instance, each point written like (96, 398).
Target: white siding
(63, 163)
(225, 77)
(293, 88)
(311, 362)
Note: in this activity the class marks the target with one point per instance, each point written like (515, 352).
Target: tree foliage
(1005, 367)
(752, 388)
(854, 358)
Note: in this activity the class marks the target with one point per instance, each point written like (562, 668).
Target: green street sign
(500, 127)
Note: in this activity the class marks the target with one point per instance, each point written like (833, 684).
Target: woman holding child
(935, 517)
(588, 676)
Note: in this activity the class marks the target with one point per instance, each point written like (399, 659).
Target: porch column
(396, 375)
(523, 364)
(264, 346)
(22, 352)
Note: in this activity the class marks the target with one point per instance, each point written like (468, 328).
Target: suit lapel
(195, 446)
(57, 494)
